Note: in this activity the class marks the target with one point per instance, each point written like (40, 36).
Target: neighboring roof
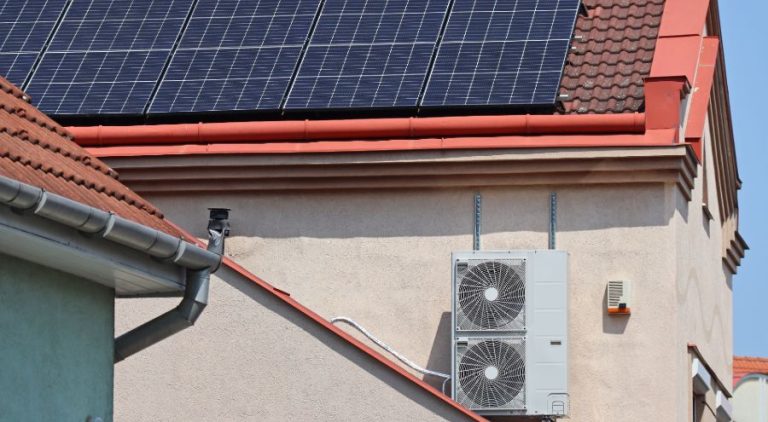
(37, 151)
(745, 365)
(612, 54)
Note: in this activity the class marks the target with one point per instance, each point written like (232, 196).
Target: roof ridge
(760, 358)
(85, 159)
(137, 202)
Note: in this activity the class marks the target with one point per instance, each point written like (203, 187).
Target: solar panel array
(369, 54)
(236, 55)
(138, 57)
(26, 27)
(107, 56)
(501, 52)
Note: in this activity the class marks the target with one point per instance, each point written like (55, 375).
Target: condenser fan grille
(491, 295)
(491, 374)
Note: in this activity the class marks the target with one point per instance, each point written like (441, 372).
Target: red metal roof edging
(378, 128)
(288, 300)
(705, 76)
(662, 137)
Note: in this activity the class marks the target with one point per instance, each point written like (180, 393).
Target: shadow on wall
(365, 362)
(421, 213)
(613, 324)
(440, 355)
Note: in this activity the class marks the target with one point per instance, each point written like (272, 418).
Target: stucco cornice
(398, 170)
(735, 250)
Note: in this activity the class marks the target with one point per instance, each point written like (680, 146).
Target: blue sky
(746, 54)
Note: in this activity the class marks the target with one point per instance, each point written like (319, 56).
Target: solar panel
(236, 55)
(368, 54)
(502, 52)
(130, 56)
(26, 26)
(107, 56)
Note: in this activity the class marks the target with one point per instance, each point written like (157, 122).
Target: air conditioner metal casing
(541, 330)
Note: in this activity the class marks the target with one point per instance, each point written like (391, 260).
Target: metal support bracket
(552, 219)
(478, 218)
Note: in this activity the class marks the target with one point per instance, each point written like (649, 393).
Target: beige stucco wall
(382, 258)
(703, 291)
(252, 358)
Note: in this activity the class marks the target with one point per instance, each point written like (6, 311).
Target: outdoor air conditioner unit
(510, 332)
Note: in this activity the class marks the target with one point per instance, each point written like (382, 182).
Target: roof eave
(132, 258)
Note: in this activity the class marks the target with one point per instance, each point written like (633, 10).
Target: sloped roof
(37, 151)
(612, 54)
(745, 365)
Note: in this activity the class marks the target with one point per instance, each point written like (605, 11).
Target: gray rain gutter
(198, 262)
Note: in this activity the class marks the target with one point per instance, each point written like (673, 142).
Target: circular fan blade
(491, 373)
(491, 294)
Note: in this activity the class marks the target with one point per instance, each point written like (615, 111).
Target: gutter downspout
(199, 263)
(192, 305)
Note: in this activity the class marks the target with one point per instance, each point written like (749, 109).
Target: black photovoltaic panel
(107, 56)
(368, 54)
(26, 25)
(236, 55)
(502, 52)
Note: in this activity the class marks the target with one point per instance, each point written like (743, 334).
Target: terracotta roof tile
(36, 150)
(745, 365)
(612, 54)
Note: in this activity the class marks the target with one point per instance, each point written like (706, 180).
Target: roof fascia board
(345, 129)
(701, 94)
(129, 272)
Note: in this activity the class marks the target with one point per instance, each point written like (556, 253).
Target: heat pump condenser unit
(510, 332)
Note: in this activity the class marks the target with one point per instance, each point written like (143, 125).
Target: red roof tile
(745, 365)
(36, 150)
(612, 54)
